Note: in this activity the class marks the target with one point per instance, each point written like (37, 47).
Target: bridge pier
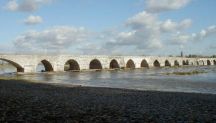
(58, 67)
(29, 68)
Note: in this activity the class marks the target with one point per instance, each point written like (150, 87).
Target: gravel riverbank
(22, 101)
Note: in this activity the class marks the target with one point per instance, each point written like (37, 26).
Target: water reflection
(7, 68)
(141, 79)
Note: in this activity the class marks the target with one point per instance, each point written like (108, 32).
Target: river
(139, 79)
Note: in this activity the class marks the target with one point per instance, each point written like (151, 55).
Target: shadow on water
(141, 79)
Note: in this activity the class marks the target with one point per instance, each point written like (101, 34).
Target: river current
(140, 79)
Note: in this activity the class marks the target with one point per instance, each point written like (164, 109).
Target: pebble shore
(22, 101)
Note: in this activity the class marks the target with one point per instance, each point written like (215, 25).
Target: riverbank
(24, 101)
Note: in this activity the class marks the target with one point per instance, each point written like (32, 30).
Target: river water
(139, 79)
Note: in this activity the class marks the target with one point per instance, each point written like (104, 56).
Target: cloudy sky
(109, 27)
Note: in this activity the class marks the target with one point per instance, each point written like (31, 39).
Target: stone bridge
(29, 63)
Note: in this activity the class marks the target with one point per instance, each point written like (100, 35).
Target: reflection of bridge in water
(29, 63)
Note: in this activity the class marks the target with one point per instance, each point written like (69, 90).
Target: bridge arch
(95, 64)
(200, 62)
(130, 64)
(47, 65)
(176, 63)
(71, 65)
(197, 62)
(167, 63)
(185, 62)
(156, 63)
(18, 67)
(114, 64)
(144, 64)
(214, 62)
(208, 62)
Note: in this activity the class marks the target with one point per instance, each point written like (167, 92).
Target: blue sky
(113, 27)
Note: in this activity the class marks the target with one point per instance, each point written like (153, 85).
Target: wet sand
(22, 101)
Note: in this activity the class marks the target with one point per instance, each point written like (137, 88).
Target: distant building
(182, 54)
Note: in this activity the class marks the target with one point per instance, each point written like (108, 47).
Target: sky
(108, 27)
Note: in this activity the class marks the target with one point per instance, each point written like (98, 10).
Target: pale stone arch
(144, 64)
(71, 65)
(130, 64)
(114, 64)
(47, 65)
(192, 62)
(208, 62)
(167, 63)
(156, 63)
(95, 64)
(202, 62)
(18, 67)
(176, 63)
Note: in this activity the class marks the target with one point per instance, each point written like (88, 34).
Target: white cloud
(12, 5)
(6, 48)
(171, 26)
(165, 5)
(186, 23)
(142, 20)
(146, 32)
(209, 31)
(93, 49)
(54, 39)
(33, 20)
(25, 5)
(180, 38)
